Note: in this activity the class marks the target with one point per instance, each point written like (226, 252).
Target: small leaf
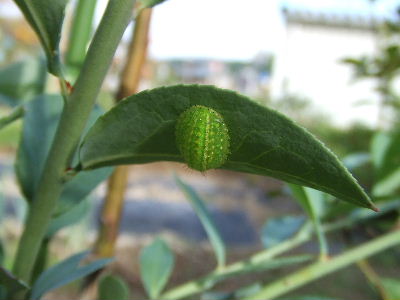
(360, 215)
(279, 229)
(40, 123)
(379, 144)
(11, 285)
(42, 258)
(247, 291)
(205, 218)
(356, 160)
(263, 141)
(309, 297)
(46, 18)
(391, 287)
(312, 201)
(215, 295)
(314, 204)
(22, 81)
(150, 3)
(112, 287)
(17, 113)
(352, 61)
(385, 150)
(3, 292)
(385, 154)
(70, 217)
(79, 187)
(388, 185)
(9, 136)
(1, 253)
(156, 264)
(65, 272)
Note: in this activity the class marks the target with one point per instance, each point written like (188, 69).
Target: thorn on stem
(70, 88)
(69, 174)
(374, 208)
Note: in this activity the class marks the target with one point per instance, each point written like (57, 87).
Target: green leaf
(3, 293)
(247, 291)
(263, 141)
(379, 144)
(17, 113)
(41, 259)
(314, 204)
(312, 201)
(22, 81)
(2, 254)
(215, 295)
(156, 264)
(279, 229)
(388, 155)
(352, 61)
(150, 3)
(11, 285)
(46, 18)
(9, 136)
(80, 187)
(40, 122)
(68, 218)
(356, 160)
(388, 185)
(112, 287)
(392, 288)
(65, 272)
(309, 297)
(385, 149)
(201, 210)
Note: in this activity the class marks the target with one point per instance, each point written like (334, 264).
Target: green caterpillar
(202, 138)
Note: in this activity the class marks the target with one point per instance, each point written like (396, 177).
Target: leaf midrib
(178, 158)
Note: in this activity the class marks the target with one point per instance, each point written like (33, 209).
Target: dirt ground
(239, 203)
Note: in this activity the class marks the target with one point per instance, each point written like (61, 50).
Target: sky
(227, 29)
(235, 29)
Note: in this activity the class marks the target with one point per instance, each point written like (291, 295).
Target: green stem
(373, 278)
(363, 214)
(305, 234)
(316, 270)
(323, 244)
(117, 183)
(82, 27)
(206, 282)
(73, 120)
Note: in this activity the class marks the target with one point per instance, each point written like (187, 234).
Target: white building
(309, 64)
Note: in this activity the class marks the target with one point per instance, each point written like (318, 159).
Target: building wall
(308, 65)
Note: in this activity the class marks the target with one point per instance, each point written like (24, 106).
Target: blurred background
(330, 65)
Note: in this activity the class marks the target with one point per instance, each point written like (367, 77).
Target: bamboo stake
(117, 183)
